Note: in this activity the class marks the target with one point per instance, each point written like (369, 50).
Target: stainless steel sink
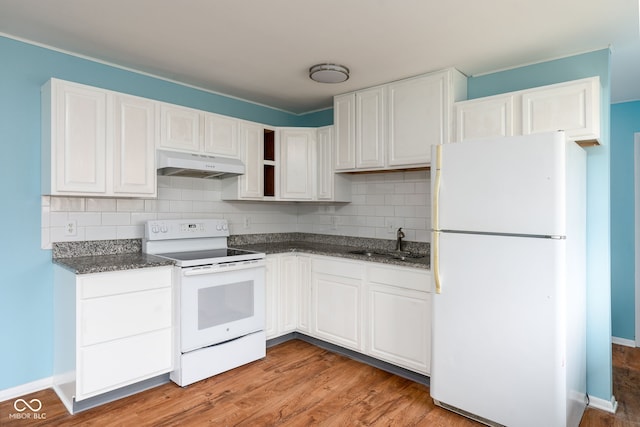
(400, 255)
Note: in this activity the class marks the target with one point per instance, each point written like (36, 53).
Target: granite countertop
(115, 262)
(102, 256)
(126, 254)
(337, 250)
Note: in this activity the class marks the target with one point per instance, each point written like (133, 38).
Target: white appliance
(219, 297)
(508, 260)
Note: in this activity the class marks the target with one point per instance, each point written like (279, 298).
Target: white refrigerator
(508, 260)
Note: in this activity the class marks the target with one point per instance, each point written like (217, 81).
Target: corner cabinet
(110, 330)
(381, 310)
(573, 107)
(393, 126)
(97, 142)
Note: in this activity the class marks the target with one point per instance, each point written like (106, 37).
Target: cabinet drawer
(118, 282)
(114, 364)
(124, 315)
(407, 278)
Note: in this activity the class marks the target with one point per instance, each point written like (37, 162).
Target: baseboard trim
(623, 341)
(603, 405)
(28, 388)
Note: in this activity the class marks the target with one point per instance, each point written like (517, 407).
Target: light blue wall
(599, 372)
(26, 280)
(625, 121)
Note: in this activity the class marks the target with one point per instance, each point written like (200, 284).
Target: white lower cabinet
(399, 317)
(110, 330)
(336, 301)
(383, 311)
(283, 284)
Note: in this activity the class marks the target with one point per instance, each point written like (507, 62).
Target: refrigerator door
(506, 185)
(498, 340)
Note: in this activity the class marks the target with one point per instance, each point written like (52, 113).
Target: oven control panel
(185, 228)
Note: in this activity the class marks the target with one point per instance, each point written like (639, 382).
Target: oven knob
(164, 228)
(219, 227)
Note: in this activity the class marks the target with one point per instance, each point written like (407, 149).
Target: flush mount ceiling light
(329, 73)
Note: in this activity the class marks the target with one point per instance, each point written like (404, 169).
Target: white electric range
(219, 297)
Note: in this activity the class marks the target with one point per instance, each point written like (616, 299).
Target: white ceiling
(261, 50)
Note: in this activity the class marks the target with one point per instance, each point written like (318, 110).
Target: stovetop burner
(209, 254)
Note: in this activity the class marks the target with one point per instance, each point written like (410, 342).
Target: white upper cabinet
(96, 142)
(134, 168)
(220, 135)
(297, 163)
(180, 128)
(370, 128)
(420, 115)
(74, 139)
(344, 119)
(195, 131)
(393, 126)
(330, 186)
(251, 184)
(573, 107)
(485, 117)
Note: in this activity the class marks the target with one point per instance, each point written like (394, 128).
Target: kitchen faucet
(400, 235)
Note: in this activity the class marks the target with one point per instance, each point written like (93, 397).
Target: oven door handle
(221, 268)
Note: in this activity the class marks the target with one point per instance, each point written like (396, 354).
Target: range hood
(172, 163)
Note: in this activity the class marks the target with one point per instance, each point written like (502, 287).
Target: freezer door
(506, 185)
(500, 329)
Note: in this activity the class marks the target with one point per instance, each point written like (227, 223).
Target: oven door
(221, 303)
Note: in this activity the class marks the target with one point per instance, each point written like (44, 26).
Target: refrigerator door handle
(436, 261)
(435, 220)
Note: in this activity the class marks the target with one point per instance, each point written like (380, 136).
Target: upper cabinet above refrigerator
(573, 107)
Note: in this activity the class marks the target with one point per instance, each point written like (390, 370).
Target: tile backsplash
(381, 202)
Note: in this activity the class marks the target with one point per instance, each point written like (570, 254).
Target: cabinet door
(134, 138)
(418, 118)
(179, 128)
(304, 293)
(370, 126)
(325, 164)
(220, 135)
(344, 120)
(400, 326)
(337, 309)
(251, 153)
(297, 169)
(79, 142)
(484, 118)
(288, 293)
(572, 107)
(272, 296)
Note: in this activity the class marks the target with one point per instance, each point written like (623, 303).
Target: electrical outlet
(70, 228)
(246, 222)
(391, 227)
(334, 222)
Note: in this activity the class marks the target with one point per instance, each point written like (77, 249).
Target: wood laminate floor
(299, 384)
